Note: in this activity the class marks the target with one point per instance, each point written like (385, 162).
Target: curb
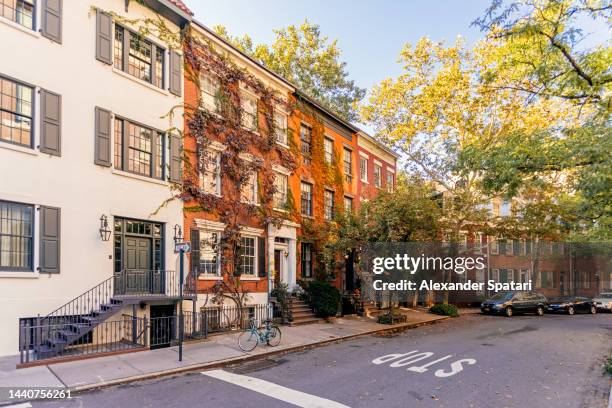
(242, 359)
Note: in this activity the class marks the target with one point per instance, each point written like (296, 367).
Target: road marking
(23, 405)
(298, 398)
(409, 358)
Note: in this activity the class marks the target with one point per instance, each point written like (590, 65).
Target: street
(472, 361)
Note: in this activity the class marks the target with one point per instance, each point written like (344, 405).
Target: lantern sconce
(105, 233)
(178, 234)
(286, 254)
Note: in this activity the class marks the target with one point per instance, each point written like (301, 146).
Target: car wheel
(508, 311)
(593, 310)
(570, 311)
(540, 311)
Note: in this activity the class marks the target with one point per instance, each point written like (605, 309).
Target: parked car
(571, 305)
(511, 303)
(604, 301)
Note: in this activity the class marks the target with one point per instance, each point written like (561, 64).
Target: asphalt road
(487, 361)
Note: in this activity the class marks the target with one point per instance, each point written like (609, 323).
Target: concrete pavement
(525, 361)
(218, 350)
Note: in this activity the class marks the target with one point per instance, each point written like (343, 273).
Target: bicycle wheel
(274, 337)
(247, 340)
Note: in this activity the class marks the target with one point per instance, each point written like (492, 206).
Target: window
(495, 209)
(16, 236)
(209, 89)
(504, 210)
(280, 124)
(328, 200)
(348, 205)
(15, 112)
(139, 149)
(363, 169)
(249, 189)
(211, 172)
(547, 280)
(306, 198)
(377, 175)
(280, 196)
(19, 11)
(247, 256)
(249, 111)
(390, 181)
(138, 57)
(328, 146)
(494, 245)
(306, 260)
(210, 261)
(348, 165)
(306, 139)
(586, 282)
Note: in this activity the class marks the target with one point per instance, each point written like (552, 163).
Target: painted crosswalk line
(297, 398)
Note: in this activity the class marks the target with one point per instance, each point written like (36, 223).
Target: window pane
(280, 122)
(248, 255)
(159, 155)
(209, 252)
(159, 67)
(329, 150)
(16, 233)
(139, 59)
(280, 195)
(328, 199)
(19, 11)
(306, 139)
(249, 189)
(211, 172)
(118, 143)
(139, 152)
(15, 112)
(118, 48)
(306, 198)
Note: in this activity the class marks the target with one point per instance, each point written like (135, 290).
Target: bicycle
(251, 337)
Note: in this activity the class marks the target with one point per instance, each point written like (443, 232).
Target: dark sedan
(511, 303)
(571, 305)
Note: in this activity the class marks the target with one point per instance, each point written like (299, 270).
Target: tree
(437, 108)
(536, 50)
(305, 57)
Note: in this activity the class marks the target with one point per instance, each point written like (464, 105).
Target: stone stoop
(302, 314)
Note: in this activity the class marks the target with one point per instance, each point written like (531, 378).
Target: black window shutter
(262, 267)
(104, 37)
(51, 25)
(50, 126)
(195, 251)
(175, 158)
(102, 142)
(50, 222)
(176, 73)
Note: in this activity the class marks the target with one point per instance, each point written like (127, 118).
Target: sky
(369, 33)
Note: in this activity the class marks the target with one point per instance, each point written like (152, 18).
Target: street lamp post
(178, 243)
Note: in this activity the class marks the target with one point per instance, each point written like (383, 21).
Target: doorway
(163, 326)
(278, 267)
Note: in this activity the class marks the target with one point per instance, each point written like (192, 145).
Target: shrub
(324, 298)
(445, 310)
(607, 366)
(397, 318)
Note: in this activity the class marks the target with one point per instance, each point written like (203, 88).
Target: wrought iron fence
(79, 335)
(226, 318)
(46, 341)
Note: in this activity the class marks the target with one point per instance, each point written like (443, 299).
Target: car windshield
(503, 296)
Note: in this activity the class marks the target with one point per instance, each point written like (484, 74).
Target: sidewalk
(216, 351)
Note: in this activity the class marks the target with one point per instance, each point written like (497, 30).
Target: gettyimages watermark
(469, 272)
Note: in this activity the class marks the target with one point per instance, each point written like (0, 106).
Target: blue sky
(370, 33)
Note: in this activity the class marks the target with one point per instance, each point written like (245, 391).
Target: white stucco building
(84, 138)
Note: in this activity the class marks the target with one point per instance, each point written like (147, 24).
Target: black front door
(350, 273)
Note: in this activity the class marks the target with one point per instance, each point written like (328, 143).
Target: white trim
(390, 170)
(245, 277)
(365, 155)
(140, 177)
(280, 169)
(18, 148)
(26, 30)
(218, 146)
(288, 223)
(140, 81)
(250, 231)
(377, 163)
(209, 225)
(209, 277)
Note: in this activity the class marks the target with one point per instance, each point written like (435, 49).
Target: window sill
(19, 27)
(283, 145)
(140, 81)
(250, 203)
(310, 217)
(281, 210)
(249, 278)
(16, 274)
(18, 148)
(141, 178)
(364, 181)
(210, 277)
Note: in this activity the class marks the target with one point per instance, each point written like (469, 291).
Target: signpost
(181, 248)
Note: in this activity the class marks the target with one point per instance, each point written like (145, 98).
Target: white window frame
(378, 174)
(328, 142)
(363, 171)
(390, 186)
(218, 267)
(285, 184)
(208, 101)
(281, 132)
(217, 192)
(255, 273)
(333, 204)
(246, 99)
